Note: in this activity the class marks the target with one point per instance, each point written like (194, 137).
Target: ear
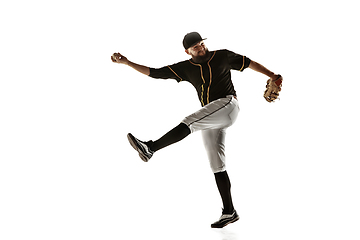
(187, 51)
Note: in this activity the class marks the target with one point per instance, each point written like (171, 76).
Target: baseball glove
(273, 87)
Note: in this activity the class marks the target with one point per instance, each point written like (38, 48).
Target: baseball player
(209, 72)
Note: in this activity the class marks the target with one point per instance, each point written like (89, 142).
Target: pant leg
(218, 114)
(214, 142)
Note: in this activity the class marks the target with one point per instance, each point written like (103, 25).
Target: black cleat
(144, 151)
(226, 219)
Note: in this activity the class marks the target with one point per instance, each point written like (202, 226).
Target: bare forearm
(140, 68)
(261, 69)
(118, 58)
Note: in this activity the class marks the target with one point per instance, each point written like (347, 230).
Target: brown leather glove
(273, 87)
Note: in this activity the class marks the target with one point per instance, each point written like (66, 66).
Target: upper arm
(237, 61)
(164, 73)
(175, 71)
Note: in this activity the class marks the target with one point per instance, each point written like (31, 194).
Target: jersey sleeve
(237, 61)
(167, 72)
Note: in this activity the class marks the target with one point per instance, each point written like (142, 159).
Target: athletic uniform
(212, 81)
(216, 93)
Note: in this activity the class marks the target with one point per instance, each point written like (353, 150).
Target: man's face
(198, 51)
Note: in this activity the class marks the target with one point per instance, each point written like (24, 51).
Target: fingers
(118, 58)
(115, 57)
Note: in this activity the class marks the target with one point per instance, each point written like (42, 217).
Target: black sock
(224, 185)
(176, 134)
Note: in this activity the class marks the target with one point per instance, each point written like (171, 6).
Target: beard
(202, 58)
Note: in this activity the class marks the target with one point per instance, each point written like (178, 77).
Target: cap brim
(197, 42)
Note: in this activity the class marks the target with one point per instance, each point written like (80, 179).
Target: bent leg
(221, 113)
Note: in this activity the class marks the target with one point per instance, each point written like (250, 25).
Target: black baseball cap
(191, 39)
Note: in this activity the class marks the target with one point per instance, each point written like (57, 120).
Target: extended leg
(147, 149)
(224, 185)
(229, 215)
(214, 141)
(176, 134)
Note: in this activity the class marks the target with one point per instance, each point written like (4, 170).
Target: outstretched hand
(118, 58)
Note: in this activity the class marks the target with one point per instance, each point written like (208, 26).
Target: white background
(68, 172)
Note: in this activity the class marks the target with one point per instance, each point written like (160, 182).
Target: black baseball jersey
(211, 79)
